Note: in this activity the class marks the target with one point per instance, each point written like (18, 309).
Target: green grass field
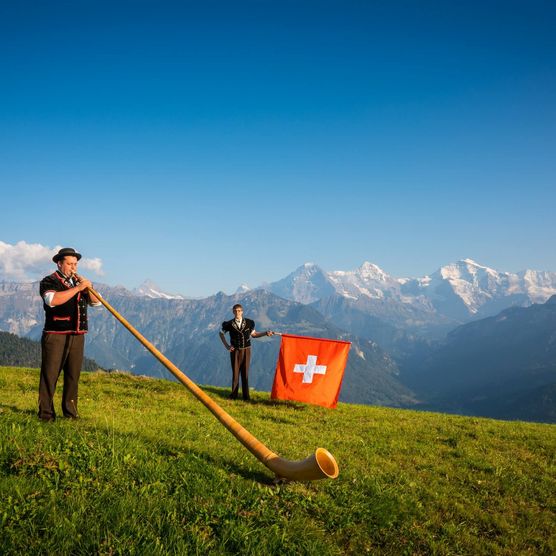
(148, 470)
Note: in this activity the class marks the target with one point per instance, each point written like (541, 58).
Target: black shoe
(47, 419)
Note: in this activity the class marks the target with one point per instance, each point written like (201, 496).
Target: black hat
(66, 252)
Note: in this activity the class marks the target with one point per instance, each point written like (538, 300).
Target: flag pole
(320, 465)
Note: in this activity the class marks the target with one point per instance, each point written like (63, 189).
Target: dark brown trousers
(60, 352)
(240, 359)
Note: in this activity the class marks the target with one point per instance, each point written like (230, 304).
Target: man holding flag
(241, 331)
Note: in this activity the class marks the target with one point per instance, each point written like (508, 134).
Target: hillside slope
(148, 470)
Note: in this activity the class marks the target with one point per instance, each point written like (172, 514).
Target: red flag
(310, 370)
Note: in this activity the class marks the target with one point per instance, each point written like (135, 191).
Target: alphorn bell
(320, 465)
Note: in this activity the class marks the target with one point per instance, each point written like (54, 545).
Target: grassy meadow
(148, 470)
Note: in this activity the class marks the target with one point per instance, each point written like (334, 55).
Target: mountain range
(455, 293)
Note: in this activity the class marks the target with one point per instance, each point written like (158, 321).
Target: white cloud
(26, 262)
(94, 265)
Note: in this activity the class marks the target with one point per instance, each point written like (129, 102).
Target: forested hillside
(22, 352)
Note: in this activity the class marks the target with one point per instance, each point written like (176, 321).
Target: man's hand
(83, 284)
(223, 339)
(64, 296)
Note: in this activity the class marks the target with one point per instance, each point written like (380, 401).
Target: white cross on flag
(310, 370)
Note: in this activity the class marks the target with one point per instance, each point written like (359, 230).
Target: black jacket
(240, 338)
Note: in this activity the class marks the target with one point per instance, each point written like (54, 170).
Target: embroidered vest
(71, 316)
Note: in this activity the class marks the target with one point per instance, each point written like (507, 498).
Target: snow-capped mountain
(468, 289)
(149, 289)
(243, 288)
(306, 284)
(368, 280)
(459, 291)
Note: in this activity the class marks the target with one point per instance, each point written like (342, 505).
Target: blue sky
(204, 147)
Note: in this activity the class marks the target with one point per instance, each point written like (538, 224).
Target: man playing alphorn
(65, 299)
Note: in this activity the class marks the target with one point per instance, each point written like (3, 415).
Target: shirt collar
(66, 278)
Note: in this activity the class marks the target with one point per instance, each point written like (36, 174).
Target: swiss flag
(310, 370)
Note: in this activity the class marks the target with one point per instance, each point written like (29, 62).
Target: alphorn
(320, 465)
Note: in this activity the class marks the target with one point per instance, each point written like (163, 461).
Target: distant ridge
(502, 366)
